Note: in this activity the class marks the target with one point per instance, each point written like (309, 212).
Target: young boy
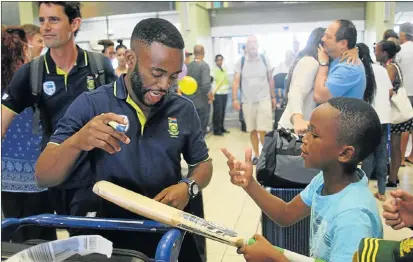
(342, 132)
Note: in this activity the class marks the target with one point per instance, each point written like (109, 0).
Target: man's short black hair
(358, 126)
(157, 30)
(347, 31)
(72, 9)
(218, 56)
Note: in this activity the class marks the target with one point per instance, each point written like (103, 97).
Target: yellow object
(187, 85)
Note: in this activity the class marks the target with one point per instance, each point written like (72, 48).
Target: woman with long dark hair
(378, 159)
(371, 87)
(20, 149)
(385, 53)
(365, 58)
(300, 85)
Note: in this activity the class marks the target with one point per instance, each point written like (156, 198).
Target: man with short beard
(160, 126)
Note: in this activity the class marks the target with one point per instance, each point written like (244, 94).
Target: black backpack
(36, 82)
(280, 164)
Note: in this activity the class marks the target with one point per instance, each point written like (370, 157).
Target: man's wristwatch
(193, 188)
(323, 63)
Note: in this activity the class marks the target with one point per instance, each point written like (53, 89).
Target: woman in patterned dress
(20, 149)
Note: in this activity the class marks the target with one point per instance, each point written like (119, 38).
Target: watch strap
(323, 63)
(185, 180)
(190, 183)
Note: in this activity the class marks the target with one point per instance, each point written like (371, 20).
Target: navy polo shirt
(151, 161)
(59, 88)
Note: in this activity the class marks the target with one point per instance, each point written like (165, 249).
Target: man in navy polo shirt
(161, 126)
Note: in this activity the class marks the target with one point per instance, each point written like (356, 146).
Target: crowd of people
(57, 143)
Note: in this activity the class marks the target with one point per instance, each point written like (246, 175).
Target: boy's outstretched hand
(398, 212)
(240, 172)
(261, 251)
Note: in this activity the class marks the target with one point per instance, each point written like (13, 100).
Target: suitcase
(167, 250)
(295, 238)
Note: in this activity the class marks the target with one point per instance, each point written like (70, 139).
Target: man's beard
(140, 91)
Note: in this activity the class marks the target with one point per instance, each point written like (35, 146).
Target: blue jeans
(378, 161)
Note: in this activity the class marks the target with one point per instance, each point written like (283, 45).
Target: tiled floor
(231, 206)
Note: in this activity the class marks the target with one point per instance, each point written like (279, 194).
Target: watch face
(195, 189)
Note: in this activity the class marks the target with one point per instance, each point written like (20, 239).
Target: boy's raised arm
(282, 213)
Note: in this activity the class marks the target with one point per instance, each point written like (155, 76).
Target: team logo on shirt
(90, 82)
(49, 87)
(173, 127)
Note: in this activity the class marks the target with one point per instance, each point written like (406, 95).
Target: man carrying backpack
(253, 76)
(50, 83)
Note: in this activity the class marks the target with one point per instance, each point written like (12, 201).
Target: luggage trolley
(167, 250)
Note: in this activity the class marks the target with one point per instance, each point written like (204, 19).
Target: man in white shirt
(405, 59)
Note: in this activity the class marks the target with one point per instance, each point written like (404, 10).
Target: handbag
(280, 164)
(401, 107)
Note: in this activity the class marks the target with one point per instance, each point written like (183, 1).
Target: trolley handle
(167, 250)
(51, 220)
(169, 246)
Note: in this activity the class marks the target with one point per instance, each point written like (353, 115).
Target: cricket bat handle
(292, 256)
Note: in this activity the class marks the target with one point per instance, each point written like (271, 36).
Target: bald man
(257, 93)
(200, 71)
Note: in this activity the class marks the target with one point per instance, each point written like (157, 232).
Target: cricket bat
(157, 211)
